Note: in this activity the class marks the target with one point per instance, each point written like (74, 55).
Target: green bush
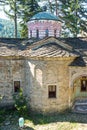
(20, 103)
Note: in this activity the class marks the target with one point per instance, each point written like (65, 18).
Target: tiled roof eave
(12, 57)
(50, 58)
(18, 57)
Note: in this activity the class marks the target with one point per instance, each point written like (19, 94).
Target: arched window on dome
(30, 33)
(55, 32)
(46, 32)
(37, 33)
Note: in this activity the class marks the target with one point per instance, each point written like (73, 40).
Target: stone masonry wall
(34, 83)
(35, 76)
(39, 75)
(10, 71)
(57, 73)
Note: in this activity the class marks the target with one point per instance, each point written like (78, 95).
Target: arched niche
(38, 74)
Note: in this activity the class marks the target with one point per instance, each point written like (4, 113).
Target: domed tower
(44, 24)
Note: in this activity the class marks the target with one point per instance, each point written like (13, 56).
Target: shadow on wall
(34, 77)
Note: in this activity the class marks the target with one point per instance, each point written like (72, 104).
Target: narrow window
(30, 33)
(55, 32)
(47, 32)
(52, 91)
(84, 84)
(37, 33)
(16, 86)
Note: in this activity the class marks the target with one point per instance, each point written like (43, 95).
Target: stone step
(80, 109)
(80, 106)
(81, 103)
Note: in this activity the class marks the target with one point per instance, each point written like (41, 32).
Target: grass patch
(8, 115)
(2, 115)
(35, 121)
(58, 117)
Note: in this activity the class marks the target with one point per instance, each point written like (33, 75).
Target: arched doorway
(80, 87)
(80, 95)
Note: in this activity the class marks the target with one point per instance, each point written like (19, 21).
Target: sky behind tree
(2, 14)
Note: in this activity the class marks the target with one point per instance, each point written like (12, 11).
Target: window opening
(52, 91)
(55, 31)
(84, 84)
(47, 32)
(37, 33)
(30, 33)
(16, 86)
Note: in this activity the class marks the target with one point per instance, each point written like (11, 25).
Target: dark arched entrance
(80, 87)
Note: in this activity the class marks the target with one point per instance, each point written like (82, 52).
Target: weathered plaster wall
(35, 76)
(10, 71)
(57, 73)
(34, 83)
(39, 75)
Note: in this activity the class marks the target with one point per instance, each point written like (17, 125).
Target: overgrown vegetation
(20, 103)
(34, 121)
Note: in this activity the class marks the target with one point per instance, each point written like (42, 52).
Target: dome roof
(44, 16)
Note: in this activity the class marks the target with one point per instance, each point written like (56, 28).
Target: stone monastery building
(52, 71)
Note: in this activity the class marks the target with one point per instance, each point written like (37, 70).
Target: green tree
(12, 12)
(20, 103)
(52, 5)
(74, 16)
(73, 13)
(24, 9)
(28, 9)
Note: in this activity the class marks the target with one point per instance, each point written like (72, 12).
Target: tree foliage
(20, 103)
(74, 16)
(28, 9)
(12, 12)
(23, 9)
(73, 13)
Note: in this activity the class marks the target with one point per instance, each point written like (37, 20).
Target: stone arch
(79, 90)
(76, 77)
